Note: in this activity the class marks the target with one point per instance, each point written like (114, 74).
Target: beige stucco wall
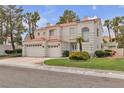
(63, 33)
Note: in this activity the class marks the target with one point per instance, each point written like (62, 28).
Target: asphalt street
(16, 77)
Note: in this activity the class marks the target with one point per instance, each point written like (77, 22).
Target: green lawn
(96, 63)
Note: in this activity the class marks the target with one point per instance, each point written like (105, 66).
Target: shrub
(113, 52)
(65, 53)
(108, 53)
(108, 50)
(79, 56)
(100, 53)
(9, 51)
(105, 53)
(18, 50)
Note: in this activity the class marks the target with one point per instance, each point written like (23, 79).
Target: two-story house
(52, 40)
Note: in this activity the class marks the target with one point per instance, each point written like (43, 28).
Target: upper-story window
(51, 32)
(38, 33)
(85, 34)
(97, 32)
(72, 31)
(43, 33)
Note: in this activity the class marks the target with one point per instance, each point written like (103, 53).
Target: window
(97, 32)
(52, 46)
(85, 34)
(73, 46)
(38, 33)
(43, 33)
(72, 31)
(51, 32)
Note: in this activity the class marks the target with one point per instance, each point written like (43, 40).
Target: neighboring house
(52, 40)
(3, 48)
(108, 44)
(7, 46)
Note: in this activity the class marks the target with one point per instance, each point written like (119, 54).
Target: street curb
(81, 71)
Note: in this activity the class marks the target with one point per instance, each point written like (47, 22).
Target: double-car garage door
(40, 51)
(35, 51)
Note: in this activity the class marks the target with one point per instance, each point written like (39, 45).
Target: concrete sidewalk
(37, 63)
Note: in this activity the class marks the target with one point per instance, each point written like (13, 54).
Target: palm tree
(107, 24)
(80, 40)
(115, 26)
(31, 19)
(27, 17)
(121, 38)
(68, 16)
(34, 18)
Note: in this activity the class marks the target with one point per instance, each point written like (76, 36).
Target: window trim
(87, 30)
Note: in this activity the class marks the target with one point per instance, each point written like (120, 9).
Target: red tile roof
(28, 39)
(42, 39)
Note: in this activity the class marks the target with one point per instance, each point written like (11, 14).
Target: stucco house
(52, 40)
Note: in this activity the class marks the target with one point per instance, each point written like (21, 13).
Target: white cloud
(94, 7)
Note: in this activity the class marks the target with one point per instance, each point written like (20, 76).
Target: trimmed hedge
(18, 50)
(11, 51)
(100, 53)
(65, 53)
(105, 53)
(79, 56)
(108, 50)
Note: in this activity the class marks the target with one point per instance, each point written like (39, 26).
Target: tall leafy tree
(2, 20)
(68, 16)
(107, 24)
(12, 14)
(79, 41)
(27, 17)
(20, 29)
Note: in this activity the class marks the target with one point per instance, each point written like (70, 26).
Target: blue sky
(51, 13)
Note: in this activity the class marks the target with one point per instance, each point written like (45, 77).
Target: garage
(35, 50)
(54, 51)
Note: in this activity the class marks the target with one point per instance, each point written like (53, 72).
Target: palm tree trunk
(33, 31)
(109, 34)
(80, 47)
(12, 42)
(29, 25)
(115, 36)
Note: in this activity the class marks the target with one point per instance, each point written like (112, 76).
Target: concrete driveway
(24, 60)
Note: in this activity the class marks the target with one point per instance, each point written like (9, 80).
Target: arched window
(85, 34)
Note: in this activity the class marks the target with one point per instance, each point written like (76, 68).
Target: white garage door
(35, 51)
(54, 52)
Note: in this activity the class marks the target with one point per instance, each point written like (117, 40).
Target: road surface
(14, 77)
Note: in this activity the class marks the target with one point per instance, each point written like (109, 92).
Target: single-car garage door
(35, 51)
(54, 51)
